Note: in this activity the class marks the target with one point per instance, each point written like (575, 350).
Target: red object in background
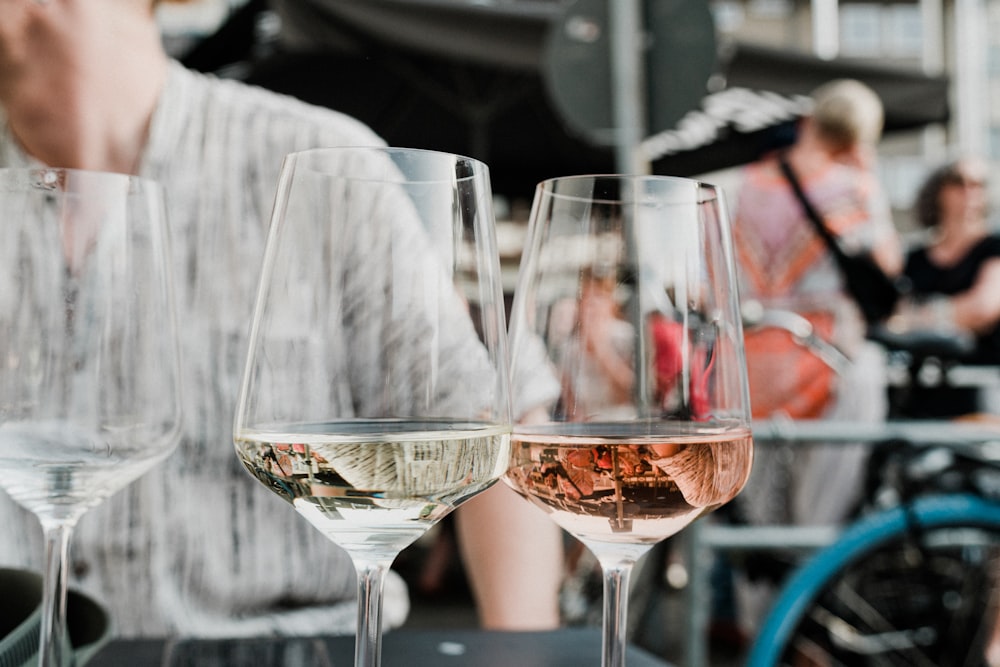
(670, 344)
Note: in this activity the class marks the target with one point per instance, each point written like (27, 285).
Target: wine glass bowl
(625, 485)
(89, 396)
(628, 284)
(375, 397)
(373, 487)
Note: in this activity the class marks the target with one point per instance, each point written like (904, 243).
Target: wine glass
(375, 398)
(628, 283)
(89, 397)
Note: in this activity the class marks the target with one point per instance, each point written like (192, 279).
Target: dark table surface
(570, 647)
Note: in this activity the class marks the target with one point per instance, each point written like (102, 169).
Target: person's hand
(934, 314)
(596, 314)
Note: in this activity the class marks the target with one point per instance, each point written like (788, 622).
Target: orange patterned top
(783, 263)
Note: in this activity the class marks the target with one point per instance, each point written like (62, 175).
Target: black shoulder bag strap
(811, 212)
(875, 292)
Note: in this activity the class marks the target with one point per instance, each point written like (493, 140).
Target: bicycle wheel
(914, 585)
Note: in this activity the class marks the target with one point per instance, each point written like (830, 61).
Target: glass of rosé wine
(628, 283)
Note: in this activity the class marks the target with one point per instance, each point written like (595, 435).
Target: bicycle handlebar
(936, 358)
(755, 315)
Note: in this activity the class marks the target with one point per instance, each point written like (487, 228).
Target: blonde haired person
(196, 548)
(784, 264)
(847, 116)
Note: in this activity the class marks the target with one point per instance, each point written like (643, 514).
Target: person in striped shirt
(194, 548)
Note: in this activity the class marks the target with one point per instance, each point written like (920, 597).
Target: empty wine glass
(89, 390)
(628, 283)
(375, 398)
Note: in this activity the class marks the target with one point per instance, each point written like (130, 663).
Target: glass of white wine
(628, 283)
(376, 397)
(89, 397)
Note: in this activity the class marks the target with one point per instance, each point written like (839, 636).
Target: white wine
(630, 488)
(376, 484)
(59, 471)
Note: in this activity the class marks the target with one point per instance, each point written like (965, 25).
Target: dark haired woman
(955, 277)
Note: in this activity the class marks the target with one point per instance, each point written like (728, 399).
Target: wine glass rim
(710, 192)
(476, 166)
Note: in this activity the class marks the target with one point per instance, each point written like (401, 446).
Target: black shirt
(928, 279)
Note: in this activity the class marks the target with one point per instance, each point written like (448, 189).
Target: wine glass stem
(54, 644)
(371, 581)
(616, 576)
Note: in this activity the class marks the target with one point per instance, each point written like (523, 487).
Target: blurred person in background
(954, 276)
(194, 548)
(785, 265)
(955, 282)
(595, 361)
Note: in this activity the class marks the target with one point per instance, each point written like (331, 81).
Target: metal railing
(703, 539)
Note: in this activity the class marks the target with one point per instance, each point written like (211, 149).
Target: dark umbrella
(766, 91)
(437, 74)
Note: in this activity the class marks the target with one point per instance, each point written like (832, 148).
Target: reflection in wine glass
(89, 390)
(375, 398)
(652, 427)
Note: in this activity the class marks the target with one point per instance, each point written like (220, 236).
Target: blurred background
(544, 88)
(540, 88)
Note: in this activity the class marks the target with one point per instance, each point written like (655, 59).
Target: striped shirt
(196, 547)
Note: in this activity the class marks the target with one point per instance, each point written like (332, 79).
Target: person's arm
(613, 366)
(978, 308)
(975, 310)
(886, 245)
(888, 253)
(511, 550)
(513, 555)
(600, 339)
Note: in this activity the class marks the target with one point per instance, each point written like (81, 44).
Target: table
(568, 647)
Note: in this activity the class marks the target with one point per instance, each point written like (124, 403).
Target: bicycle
(913, 582)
